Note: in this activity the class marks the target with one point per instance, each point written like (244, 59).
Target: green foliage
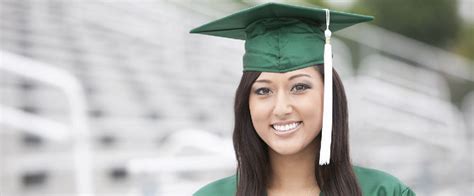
(319, 3)
(465, 44)
(435, 22)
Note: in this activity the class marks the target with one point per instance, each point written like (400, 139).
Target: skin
(283, 98)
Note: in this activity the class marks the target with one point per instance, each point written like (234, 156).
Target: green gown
(373, 183)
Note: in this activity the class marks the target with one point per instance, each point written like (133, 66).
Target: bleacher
(159, 102)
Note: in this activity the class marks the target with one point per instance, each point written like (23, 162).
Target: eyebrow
(299, 75)
(263, 81)
(291, 78)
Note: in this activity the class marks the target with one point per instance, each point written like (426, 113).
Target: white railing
(77, 130)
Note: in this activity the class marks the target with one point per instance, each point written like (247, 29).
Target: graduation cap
(282, 38)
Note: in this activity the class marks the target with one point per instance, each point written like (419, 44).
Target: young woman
(291, 109)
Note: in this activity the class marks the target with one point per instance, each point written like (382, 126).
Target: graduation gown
(372, 182)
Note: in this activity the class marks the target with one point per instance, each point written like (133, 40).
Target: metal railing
(77, 130)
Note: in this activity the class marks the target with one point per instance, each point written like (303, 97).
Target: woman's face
(286, 109)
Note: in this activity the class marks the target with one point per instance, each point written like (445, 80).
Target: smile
(286, 128)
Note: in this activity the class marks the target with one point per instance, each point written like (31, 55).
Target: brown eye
(300, 87)
(262, 91)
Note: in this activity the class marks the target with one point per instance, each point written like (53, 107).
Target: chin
(286, 150)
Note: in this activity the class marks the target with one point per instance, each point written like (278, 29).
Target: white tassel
(325, 151)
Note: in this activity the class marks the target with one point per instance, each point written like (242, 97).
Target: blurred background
(114, 97)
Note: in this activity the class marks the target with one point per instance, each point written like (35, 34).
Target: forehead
(311, 71)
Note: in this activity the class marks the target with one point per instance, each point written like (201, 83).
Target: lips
(286, 127)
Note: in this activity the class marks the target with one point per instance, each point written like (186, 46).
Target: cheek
(310, 109)
(260, 112)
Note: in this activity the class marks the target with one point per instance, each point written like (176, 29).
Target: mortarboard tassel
(325, 151)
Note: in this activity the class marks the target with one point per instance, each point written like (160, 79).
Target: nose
(283, 106)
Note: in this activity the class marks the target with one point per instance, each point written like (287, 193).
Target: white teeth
(286, 127)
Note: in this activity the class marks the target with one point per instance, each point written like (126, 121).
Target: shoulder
(364, 173)
(223, 187)
(376, 182)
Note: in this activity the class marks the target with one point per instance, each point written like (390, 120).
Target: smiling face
(286, 109)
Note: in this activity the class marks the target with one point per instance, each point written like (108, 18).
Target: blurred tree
(319, 3)
(435, 22)
(465, 45)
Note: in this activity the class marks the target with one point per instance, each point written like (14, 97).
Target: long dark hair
(253, 169)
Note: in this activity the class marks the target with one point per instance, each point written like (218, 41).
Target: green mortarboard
(282, 38)
(279, 37)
